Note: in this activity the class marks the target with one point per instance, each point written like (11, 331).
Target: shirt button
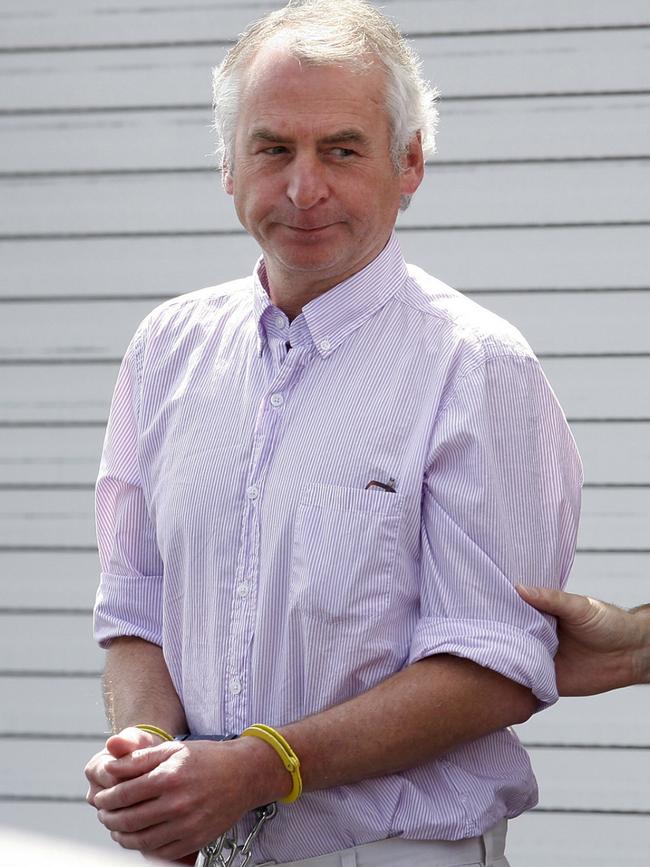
(277, 400)
(235, 685)
(243, 589)
(325, 345)
(253, 492)
(280, 321)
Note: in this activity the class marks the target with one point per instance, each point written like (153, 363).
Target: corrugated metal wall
(537, 206)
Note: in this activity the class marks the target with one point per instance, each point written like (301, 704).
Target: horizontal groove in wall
(23, 673)
(77, 361)
(89, 486)
(70, 799)
(46, 612)
(58, 425)
(91, 549)
(225, 43)
(204, 106)
(94, 736)
(47, 425)
(157, 298)
(577, 812)
(229, 233)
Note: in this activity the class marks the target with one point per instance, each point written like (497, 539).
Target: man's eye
(276, 149)
(342, 152)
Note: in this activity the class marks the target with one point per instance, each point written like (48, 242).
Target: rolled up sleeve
(501, 504)
(129, 598)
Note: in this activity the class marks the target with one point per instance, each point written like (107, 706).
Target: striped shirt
(237, 529)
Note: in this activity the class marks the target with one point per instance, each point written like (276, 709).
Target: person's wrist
(268, 779)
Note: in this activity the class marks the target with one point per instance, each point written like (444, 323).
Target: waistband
(485, 849)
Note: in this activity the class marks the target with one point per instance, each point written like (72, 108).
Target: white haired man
(319, 488)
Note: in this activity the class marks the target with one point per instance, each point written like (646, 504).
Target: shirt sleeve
(129, 598)
(500, 506)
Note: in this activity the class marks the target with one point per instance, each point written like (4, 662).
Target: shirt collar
(334, 315)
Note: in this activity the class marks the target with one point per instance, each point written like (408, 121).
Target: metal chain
(223, 851)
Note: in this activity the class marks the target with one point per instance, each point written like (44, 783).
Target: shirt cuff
(128, 605)
(512, 652)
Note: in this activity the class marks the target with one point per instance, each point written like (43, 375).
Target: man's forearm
(138, 688)
(414, 716)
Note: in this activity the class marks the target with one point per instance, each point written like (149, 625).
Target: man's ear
(226, 178)
(412, 166)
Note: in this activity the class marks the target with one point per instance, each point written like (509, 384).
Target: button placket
(244, 596)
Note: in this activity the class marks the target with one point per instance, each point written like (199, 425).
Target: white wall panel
(59, 579)
(526, 63)
(539, 839)
(611, 452)
(623, 579)
(572, 324)
(73, 706)
(602, 780)
(534, 840)
(462, 196)
(52, 643)
(611, 518)
(612, 388)
(38, 23)
(48, 579)
(67, 706)
(495, 259)
(564, 723)
(608, 779)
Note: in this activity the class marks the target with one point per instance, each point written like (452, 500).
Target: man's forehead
(275, 60)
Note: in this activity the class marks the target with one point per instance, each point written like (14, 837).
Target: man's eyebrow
(343, 136)
(353, 136)
(264, 134)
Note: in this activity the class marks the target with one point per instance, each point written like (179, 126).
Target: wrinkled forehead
(284, 95)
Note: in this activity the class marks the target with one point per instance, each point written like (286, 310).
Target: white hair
(320, 32)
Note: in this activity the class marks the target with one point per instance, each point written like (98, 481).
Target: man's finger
(98, 772)
(140, 817)
(567, 606)
(140, 786)
(141, 761)
(130, 739)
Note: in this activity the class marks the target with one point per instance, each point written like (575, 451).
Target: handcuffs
(225, 850)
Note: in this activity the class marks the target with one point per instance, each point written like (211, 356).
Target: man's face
(312, 178)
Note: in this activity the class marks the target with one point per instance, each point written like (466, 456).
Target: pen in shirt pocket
(383, 486)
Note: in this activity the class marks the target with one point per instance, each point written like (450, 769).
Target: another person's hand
(601, 647)
(169, 800)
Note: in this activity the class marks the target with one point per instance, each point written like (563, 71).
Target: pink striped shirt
(236, 530)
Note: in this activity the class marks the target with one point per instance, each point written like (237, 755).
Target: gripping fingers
(135, 819)
(148, 840)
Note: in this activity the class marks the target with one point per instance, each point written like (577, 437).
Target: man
(319, 487)
(601, 647)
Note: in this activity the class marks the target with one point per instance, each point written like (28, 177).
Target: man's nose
(307, 183)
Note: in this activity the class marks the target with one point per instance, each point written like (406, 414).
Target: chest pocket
(345, 544)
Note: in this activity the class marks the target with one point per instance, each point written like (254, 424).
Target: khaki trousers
(488, 850)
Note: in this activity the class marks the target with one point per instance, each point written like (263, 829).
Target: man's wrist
(268, 780)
